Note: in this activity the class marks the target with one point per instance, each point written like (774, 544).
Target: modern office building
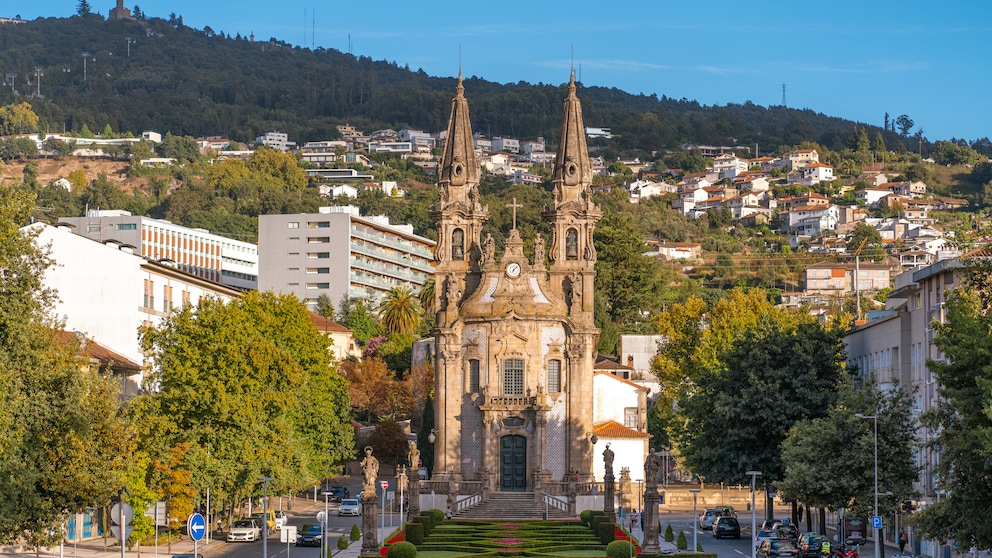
(337, 252)
(196, 251)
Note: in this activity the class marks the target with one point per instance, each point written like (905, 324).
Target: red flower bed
(621, 535)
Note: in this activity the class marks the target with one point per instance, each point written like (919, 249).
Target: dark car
(783, 548)
(338, 493)
(726, 526)
(309, 534)
(809, 544)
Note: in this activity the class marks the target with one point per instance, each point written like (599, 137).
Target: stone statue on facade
(608, 460)
(413, 455)
(488, 249)
(539, 250)
(651, 466)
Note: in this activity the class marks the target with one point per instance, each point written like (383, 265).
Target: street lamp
(754, 518)
(265, 516)
(878, 532)
(695, 518)
(323, 527)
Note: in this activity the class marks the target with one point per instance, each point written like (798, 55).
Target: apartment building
(338, 252)
(276, 140)
(894, 345)
(195, 251)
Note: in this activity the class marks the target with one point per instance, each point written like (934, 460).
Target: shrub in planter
(414, 533)
(699, 546)
(424, 527)
(681, 543)
(403, 549)
(437, 515)
(620, 549)
(669, 534)
(429, 522)
(584, 516)
(356, 533)
(342, 542)
(605, 532)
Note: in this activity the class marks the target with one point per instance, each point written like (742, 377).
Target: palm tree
(426, 296)
(400, 310)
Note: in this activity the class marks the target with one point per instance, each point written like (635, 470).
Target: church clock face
(513, 269)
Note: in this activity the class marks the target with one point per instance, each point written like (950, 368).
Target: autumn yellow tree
(373, 387)
(17, 119)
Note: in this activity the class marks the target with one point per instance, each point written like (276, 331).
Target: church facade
(514, 338)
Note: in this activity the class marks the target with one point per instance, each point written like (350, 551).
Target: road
(724, 548)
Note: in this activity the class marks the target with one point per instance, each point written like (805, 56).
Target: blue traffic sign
(876, 522)
(196, 527)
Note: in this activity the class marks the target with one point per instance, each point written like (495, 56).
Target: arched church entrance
(513, 464)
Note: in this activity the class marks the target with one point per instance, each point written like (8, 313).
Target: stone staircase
(512, 505)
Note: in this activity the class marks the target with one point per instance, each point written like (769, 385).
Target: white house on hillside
(620, 420)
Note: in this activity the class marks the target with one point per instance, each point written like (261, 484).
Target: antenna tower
(783, 96)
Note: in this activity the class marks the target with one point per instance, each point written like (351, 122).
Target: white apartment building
(196, 251)
(275, 140)
(106, 291)
(338, 252)
(507, 145)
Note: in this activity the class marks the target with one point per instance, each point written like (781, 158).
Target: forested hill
(201, 82)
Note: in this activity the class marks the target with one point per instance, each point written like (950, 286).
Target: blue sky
(857, 60)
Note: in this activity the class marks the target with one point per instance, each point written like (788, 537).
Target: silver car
(350, 506)
(247, 530)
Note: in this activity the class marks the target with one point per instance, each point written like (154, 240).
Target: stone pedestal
(413, 485)
(651, 527)
(624, 489)
(609, 492)
(370, 536)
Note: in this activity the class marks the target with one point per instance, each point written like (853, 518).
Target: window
(318, 239)
(127, 226)
(513, 376)
(185, 298)
(318, 255)
(167, 299)
(313, 286)
(318, 225)
(293, 225)
(316, 270)
(572, 244)
(473, 376)
(457, 244)
(149, 297)
(630, 417)
(554, 376)
(93, 228)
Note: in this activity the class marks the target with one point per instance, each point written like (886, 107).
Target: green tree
(879, 146)
(773, 375)
(181, 148)
(250, 386)
(359, 318)
(626, 279)
(400, 310)
(325, 307)
(427, 297)
(845, 479)
(905, 124)
(873, 249)
(64, 445)
(962, 419)
(83, 8)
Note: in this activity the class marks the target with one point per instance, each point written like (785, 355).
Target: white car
(350, 506)
(280, 520)
(247, 530)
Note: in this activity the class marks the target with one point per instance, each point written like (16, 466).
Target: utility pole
(37, 78)
(85, 56)
(10, 78)
(130, 42)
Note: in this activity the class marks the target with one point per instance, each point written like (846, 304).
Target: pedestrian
(902, 541)
(447, 513)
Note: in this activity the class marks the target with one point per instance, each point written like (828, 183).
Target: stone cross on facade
(514, 206)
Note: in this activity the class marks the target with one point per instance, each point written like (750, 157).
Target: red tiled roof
(613, 429)
(96, 351)
(325, 325)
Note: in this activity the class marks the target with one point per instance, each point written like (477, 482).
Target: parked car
(790, 531)
(280, 520)
(726, 526)
(350, 506)
(771, 523)
(247, 530)
(782, 548)
(309, 534)
(338, 493)
(270, 518)
(809, 544)
(707, 518)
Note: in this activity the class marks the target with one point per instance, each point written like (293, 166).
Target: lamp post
(265, 516)
(323, 528)
(754, 518)
(695, 518)
(878, 532)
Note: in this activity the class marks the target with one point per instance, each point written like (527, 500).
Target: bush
(619, 549)
(606, 531)
(424, 525)
(402, 549)
(342, 542)
(584, 516)
(356, 533)
(414, 533)
(429, 522)
(669, 534)
(699, 546)
(682, 544)
(437, 515)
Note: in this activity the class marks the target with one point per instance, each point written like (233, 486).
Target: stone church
(515, 339)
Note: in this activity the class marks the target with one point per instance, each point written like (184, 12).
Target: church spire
(459, 173)
(573, 171)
